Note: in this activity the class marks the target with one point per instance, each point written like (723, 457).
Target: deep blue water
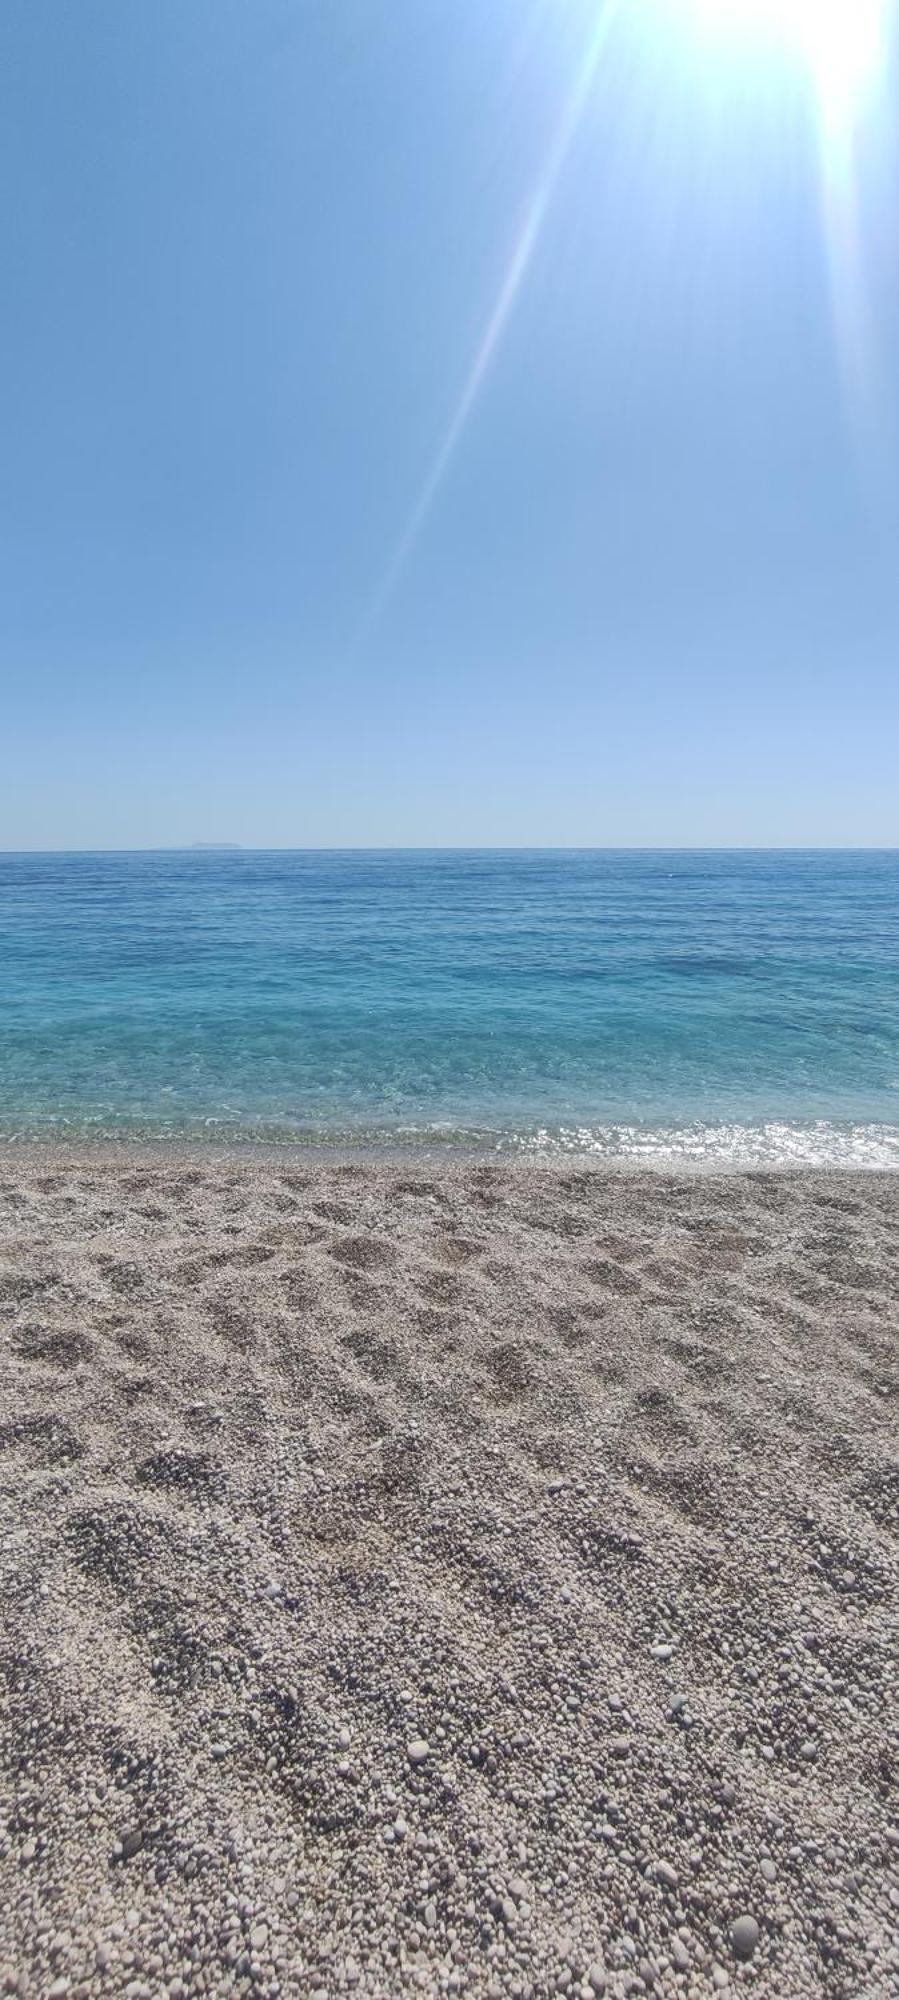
(717, 1005)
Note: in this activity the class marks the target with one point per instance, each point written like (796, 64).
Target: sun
(840, 42)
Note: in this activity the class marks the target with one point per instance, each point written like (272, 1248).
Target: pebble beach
(468, 1578)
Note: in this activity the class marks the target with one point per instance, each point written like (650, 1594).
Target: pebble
(635, 1852)
(744, 1936)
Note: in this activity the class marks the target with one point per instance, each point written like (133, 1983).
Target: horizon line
(224, 849)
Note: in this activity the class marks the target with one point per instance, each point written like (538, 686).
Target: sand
(464, 1578)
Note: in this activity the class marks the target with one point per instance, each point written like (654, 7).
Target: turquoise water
(712, 1006)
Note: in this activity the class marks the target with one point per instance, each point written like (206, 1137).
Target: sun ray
(841, 46)
(500, 314)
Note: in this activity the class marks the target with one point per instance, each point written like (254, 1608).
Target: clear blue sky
(251, 250)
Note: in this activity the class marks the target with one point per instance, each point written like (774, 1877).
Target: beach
(461, 1577)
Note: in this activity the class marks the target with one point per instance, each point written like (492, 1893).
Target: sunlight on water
(705, 1007)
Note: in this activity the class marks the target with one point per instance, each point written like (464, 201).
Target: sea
(707, 1008)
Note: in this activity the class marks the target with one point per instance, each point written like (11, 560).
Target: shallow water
(732, 1008)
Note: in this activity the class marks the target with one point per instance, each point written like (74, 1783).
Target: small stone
(59, 1988)
(720, 1978)
(666, 1875)
(769, 1871)
(744, 1936)
(680, 1955)
(431, 1916)
(259, 1937)
(400, 1829)
(662, 1652)
(620, 1746)
(808, 1750)
(131, 1842)
(596, 1979)
(418, 1751)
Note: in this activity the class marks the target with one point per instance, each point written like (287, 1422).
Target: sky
(429, 423)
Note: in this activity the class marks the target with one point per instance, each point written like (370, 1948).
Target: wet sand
(459, 1578)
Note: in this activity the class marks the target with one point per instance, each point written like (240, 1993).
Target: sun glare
(840, 42)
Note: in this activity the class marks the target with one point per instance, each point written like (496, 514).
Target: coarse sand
(465, 1578)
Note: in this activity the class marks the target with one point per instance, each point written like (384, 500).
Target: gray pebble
(744, 1936)
(418, 1751)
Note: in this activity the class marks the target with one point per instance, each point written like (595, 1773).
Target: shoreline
(459, 1577)
(443, 1156)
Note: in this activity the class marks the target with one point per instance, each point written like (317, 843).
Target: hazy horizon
(466, 847)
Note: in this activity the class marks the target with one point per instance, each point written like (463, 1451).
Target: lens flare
(840, 41)
(506, 297)
(838, 46)
(841, 46)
